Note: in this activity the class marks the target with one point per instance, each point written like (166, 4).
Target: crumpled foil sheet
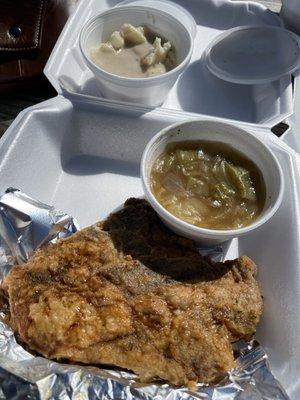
(26, 224)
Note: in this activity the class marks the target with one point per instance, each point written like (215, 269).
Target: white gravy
(124, 62)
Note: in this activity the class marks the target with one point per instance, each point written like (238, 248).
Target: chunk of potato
(161, 51)
(158, 54)
(117, 40)
(132, 34)
(149, 59)
(107, 48)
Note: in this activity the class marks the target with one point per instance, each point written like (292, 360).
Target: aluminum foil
(26, 224)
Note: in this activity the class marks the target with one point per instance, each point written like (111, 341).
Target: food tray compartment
(197, 90)
(86, 163)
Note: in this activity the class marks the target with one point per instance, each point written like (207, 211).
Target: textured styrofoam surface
(197, 90)
(292, 135)
(84, 159)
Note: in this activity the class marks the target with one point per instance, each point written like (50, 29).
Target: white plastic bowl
(243, 141)
(150, 91)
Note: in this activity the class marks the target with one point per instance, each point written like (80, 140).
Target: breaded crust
(130, 293)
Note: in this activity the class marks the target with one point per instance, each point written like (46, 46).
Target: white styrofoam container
(150, 91)
(197, 90)
(243, 141)
(83, 157)
(292, 135)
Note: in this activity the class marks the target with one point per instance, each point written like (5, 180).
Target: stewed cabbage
(208, 184)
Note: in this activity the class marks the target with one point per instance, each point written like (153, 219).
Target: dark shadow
(91, 88)
(69, 85)
(199, 91)
(280, 128)
(94, 165)
(136, 230)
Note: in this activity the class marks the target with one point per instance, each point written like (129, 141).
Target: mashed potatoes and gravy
(135, 52)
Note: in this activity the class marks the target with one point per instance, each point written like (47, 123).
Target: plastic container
(243, 141)
(197, 91)
(150, 91)
(90, 161)
(91, 150)
(253, 54)
(171, 8)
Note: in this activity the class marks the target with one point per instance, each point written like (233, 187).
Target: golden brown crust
(128, 292)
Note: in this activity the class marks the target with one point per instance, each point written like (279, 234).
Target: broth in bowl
(208, 184)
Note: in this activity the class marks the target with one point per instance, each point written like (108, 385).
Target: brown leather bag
(28, 32)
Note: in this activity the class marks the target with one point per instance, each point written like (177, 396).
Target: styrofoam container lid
(253, 54)
(169, 7)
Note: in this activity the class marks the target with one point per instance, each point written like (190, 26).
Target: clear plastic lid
(253, 54)
(169, 7)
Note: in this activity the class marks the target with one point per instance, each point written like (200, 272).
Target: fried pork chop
(130, 293)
